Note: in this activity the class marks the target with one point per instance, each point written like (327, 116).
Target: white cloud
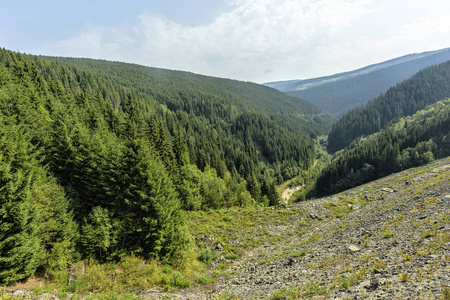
(98, 42)
(418, 35)
(292, 39)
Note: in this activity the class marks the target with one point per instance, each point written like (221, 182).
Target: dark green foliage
(199, 112)
(100, 159)
(426, 87)
(156, 225)
(205, 256)
(33, 200)
(268, 188)
(105, 157)
(410, 142)
(20, 244)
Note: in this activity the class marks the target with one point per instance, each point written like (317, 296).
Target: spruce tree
(154, 219)
(20, 249)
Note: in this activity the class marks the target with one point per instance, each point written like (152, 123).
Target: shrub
(388, 234)
(203, 279)
(205, 256)
(178, 280)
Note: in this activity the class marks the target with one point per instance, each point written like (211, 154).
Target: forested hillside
(337, 94)
(410, 142)
(172, 87)
(400, 66)
(424, 88)
(201, 108)
(201, 95)
(100, 159)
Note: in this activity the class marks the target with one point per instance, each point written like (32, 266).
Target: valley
(364, 242)
(337, 94)
(289, 192)
(119, 181)
(389, 239)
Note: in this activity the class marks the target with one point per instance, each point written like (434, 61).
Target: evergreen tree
(97, 233)
(20, 248)
(155, 222)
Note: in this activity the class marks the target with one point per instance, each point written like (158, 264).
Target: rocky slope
(389, 239)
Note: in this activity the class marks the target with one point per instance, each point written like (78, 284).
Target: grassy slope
(402, 236)
(402, 227)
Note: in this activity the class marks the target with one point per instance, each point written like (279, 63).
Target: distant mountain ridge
(336, 94)
(426, 87)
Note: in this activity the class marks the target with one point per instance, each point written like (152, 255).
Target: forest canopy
(101, 159)
(424, 88)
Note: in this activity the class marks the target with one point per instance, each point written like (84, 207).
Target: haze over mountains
(338, 93)
(114, 165)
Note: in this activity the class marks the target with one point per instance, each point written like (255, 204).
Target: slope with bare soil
(288, 193)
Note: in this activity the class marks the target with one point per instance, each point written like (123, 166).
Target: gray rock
(354, 248)
(47, 297)
(76, 270)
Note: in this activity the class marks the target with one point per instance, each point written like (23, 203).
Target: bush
(205, 256)
(179, 281)
(203, 279)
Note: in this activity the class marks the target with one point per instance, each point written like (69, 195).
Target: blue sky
(251, 40)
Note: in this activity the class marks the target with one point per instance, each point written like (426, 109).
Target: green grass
(300, 253)
(388, 234)
(301, 232)
(203, 279)
(205, 256)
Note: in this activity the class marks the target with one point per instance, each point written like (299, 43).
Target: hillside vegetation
(101, 160)
(424, 88)
(410, 142)
(388, 239)
(119, 181)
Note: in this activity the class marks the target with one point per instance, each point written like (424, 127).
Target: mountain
(412, 141)
(385, 240)
(336, 94)
(100, 160)
(215, 106)
(424, 88)
(120, 181)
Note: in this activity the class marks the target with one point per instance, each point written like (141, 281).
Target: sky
(249, 40)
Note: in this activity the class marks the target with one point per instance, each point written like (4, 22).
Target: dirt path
(287, 193)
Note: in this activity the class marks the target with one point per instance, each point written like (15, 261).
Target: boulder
(76, 270)
(353, 248)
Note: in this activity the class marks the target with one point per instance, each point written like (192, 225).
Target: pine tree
(155, 223)
(58, 231)
(268, 188)
(97, 233)
(20, 249)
